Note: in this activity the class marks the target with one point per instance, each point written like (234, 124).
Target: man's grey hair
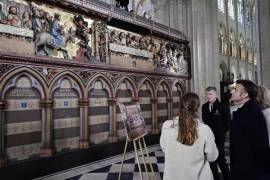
(211, 88)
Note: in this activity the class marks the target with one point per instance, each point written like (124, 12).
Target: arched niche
(125, 92)
(98, 111)
(177, 93)
(145, 94)
(66, 93)
(23, 116)
(163, 93)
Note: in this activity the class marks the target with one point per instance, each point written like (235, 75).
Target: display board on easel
(134, 123)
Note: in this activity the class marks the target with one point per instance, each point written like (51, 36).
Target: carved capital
(83, 102)
(46, 103)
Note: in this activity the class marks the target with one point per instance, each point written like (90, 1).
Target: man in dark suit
(249, 144)
(217, 117)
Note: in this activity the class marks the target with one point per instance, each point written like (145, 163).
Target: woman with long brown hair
(188, 144)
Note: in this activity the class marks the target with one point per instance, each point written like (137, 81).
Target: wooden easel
(143, 151)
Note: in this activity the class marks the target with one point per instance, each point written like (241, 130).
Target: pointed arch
(134, 90)
(15, 74)
(152, 86)
(70, 76)
(169, 90)
(181, 85)
(103, 77)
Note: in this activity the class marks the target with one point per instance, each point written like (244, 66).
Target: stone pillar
(204, 45)
(84, 131)
(112, 111)
(154, 116)
(47, 144)
(3, 155)
(170, 107)
(262, 36)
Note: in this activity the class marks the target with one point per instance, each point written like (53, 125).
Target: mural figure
(45, 39)
(26, 20)
(3, 18)
(57, 32)
(13, 19)
(122, 38)
(36, 20)
(163, 61)
(182, 66)
(102, 47)
(82, 32)
(113, 37)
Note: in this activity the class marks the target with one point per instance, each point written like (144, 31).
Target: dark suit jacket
(218, 120)
(249, 144)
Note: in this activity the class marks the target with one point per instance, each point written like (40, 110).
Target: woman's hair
(187, 132)
(263, 97)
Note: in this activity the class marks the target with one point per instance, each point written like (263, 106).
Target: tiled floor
(108, 169)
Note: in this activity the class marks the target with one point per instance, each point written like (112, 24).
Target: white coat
(184, 162)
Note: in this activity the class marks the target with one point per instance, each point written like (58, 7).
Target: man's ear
(245, 94)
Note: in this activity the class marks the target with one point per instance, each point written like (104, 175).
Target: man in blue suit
(249, 144)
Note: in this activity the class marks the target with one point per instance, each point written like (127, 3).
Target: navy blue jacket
(218, 120)
(249, 144)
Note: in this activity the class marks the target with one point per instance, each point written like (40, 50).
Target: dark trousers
(221, 163)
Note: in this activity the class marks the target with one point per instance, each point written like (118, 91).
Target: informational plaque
(133, 120)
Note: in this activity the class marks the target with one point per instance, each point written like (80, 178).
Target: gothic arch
(169, 90)
(224, 69)
(152, 86)
(15, 74)
(133, 87)
(72, 77)
(103, 78)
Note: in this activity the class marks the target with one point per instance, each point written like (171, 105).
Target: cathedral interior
(78, 59)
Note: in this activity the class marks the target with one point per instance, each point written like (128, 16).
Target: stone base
(112, 138)
(46, 151)
(84, 144)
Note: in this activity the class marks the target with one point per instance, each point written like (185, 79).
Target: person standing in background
(217, 117)
(263, 99)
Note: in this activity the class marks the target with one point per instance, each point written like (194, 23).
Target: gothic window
(220, 44)
(221, 7)
(231, 48)
(230, 9)
(240, 11)
(247, 16)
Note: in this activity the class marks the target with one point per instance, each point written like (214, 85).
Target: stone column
(170, 108)
(262, 36)
(204, 45)
(47, 144)
(3, 155)
(154, 116)
(84, 131)
(112, 111)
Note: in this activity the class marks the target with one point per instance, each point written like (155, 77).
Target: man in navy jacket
(249, 144)
(217, 117)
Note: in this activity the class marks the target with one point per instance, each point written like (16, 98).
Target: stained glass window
(221, 6)
(230, 9)
(240, 11)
